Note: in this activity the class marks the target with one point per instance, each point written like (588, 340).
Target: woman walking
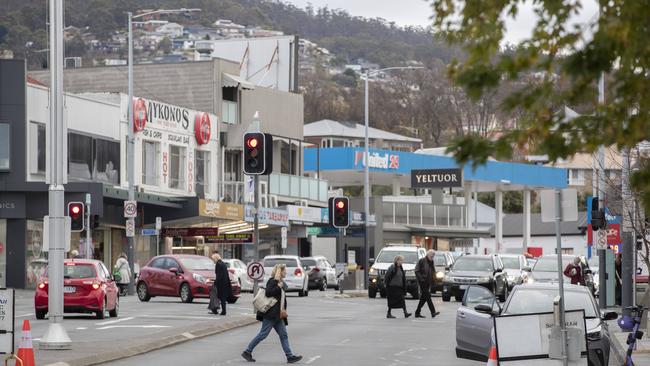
(275, 317)
(395, 281)
(122, 268)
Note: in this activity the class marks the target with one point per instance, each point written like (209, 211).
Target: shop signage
(12, 206)
(304, 214)
(240, 238)
(139, 114)
(220, 210)
(436, 178)
(377, 160)
(325, 230)
(190, 231)
(202, 128)
(7, 320)
(149, 232)
(268, 216)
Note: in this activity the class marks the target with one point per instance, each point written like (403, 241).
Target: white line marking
(181, 317)
(135, 326)
(189, 335)
(343, 342)
(24, 315)
(312, 359)
(116, 321)
(81, 328)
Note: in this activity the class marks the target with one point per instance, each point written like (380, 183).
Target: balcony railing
(299, 187)
(424, 214)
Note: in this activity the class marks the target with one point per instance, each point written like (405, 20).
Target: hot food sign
(150, 114)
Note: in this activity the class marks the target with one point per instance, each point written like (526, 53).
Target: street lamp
(131, 140)
(366, 169)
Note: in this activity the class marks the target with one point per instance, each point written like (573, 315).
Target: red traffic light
(75, 210)
(340, 204)
(252, 142)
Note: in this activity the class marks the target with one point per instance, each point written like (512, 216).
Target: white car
(297, 278)
(412, 254)
(238, 269)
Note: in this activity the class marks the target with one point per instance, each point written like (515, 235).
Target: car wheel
(101, 314)
(372, 292)
(143, 292)
(446, 297)
(186, 293)
(114, 313)
(323, 286)
(504, 294)
(40, 314)
(458, 298)
(302, 293)
(383, 294)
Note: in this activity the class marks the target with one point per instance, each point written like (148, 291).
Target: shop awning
(233, 81)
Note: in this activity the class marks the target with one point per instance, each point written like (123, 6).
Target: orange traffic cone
(26, 350)
(492, 359)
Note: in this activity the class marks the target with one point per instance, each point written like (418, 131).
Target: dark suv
(482, 270)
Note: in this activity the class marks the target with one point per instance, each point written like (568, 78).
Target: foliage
(165, 46)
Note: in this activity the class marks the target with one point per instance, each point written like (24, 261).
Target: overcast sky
(418, 12)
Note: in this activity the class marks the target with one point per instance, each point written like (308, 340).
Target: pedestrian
(424, 272)
(75, 254)
(574, 272)
(274, 318)
(122, 272)
(213, 305)
(222, 282)
(395, 281)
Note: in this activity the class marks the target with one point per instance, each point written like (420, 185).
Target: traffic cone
(26, 350)
(492, 359)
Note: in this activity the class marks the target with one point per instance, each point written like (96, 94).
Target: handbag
(262, 303)
(116, 273)
(283, 313)
(214, 305)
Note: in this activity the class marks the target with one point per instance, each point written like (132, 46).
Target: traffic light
(598, 220)
(339, 212)
(258, 153)
(77, 217)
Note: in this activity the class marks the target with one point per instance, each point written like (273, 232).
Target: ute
(385, 259)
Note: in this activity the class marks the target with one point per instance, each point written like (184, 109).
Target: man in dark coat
(222, 282)
(424, 272)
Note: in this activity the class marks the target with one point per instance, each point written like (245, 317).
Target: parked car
(385, 259)
(443, 262)
(516, 268)
(545, 270)
(297, 278)
(482, 270)
(474, 321)
(184, 276)
(239, 269)
(88, 288)
(321, 273)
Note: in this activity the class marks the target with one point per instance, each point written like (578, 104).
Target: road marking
(81, 328)
(343, 342)
(189, 335)
(180, 317)
(24, 315)
(312, 359)
(115, 321)
(134, 326)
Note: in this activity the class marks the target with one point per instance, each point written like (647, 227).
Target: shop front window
(176, 167)
(202, 171)
(150, 162)
(35, 256)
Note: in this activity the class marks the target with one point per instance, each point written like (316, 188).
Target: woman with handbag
(122, 273)
(275, 317)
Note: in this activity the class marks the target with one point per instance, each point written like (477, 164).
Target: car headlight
(199, 278)
(484, 279)
(530, 280)
(372, 271)
(595, 335)
(440, 275)
(448, 278)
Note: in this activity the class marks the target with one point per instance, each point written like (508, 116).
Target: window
(150, 163)
(233, 169)
(158, 263)
(5, 146)
(288, 162)
(176, 167)
(37, 152)
(229, 105)
(202, 172)
(576, 177)
(80, 156)
(106, 162)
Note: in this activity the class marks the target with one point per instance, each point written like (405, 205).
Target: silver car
(474, 322)
(516, 267)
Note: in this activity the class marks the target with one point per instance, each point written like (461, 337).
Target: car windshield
(439, 261)
(534, 300)
(473, 264)
(198, 264)
(549, 264)
(510, 262)
(77, 271)
(593, 264)
(289, 262)
(308, 262)
(388, 256)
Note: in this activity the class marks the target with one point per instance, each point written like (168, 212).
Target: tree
(75, 47)
(165, 46)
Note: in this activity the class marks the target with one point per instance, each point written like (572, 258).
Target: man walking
(424, 271)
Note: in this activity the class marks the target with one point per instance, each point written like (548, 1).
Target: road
(329, 331)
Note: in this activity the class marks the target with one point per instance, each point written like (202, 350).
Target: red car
(184, 276)
(88, 288)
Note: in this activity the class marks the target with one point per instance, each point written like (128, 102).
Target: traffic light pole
(130, 153)
(89, 254)
(256, 224)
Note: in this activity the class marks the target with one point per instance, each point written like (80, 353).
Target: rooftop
(327, 127)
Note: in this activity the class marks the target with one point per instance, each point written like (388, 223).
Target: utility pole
(130, 172)
(56, 337)
(558, 236)
(629, 246)
(89, 253)
(366, 192)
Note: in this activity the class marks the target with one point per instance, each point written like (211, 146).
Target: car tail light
(231, 270)
(298, 272)
(95, 286)
(316, 269)
(42, 285)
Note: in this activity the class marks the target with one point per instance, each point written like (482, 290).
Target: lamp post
(366, 169)
(131, 139)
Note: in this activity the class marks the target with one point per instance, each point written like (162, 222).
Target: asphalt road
(329, 331)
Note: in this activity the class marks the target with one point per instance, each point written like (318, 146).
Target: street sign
(130, 228)
(130, 209)
(283, 236)
(7, 321)
(601, 242)
(66, 234)
(569, 204)
(255, 271)
(158, 223)
(341, 270)
(149, 232)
